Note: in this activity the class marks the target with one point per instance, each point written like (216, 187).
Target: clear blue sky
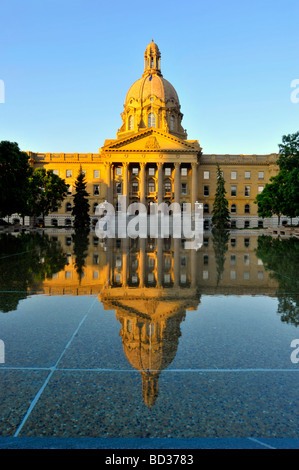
(68, 64)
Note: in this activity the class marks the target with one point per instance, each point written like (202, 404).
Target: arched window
(68, 207)
(54, 222)
(151, 120)
(172, 123)
(206, 208)
(131, 123)
(233, 208)
(95, 207)
(151, 186)
(247, 209)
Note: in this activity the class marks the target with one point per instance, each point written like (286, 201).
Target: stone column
(176, 261)
(125, 183)
(194, 186)
(160, 262)
(125, 262)
(108, 182)
(194, 263)
(177, 182)
(160, 183)
(142, 183)
(142, 262)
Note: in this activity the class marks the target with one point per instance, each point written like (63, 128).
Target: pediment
(151, 140)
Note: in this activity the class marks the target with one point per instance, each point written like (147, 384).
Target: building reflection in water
(151, 283)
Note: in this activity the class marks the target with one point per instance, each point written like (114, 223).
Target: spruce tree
(81, 205)
(220, 212)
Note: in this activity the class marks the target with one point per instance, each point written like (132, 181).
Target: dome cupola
(152, 101)
(152, 59)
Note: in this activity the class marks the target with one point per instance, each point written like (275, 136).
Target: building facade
(151, 160)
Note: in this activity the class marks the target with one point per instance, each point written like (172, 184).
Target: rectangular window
(233, 275)
(183, 278)
(247, 175)
(118, 188)
(233, 190)
(135, 171)
(118, 261)
(232, 260)
(246, 241)
(247, 191)
(96, 190)
(118, 170)
(68, 173)
(167, 171)
(56, 172)
(260, 189)
(151, 171)
(261, 175)
(246, 260)
(206, 190)
(233, 175)
(151, 186)
(206, 175)
(96, 173)
(184, 188)
(184, 171)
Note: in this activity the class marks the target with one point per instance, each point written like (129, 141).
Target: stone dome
(157, 87)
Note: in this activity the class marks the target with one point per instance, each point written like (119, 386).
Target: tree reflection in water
(81, 243)
(26, 260)
(281, 257)
(220, 246)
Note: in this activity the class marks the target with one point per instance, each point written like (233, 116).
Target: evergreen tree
(220, 212)
(81, 205)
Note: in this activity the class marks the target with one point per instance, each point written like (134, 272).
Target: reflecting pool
(144, 338)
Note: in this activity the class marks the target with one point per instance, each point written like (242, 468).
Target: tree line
(279, 196)
(36, 192)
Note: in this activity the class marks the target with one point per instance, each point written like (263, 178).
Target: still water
(146, 339)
